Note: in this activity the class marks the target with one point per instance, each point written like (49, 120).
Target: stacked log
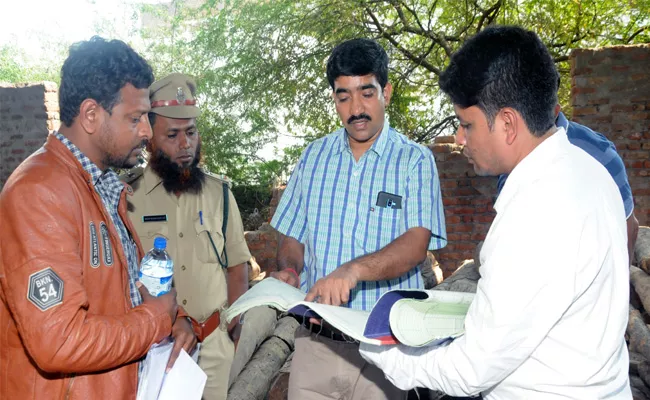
(642, 249)
(254, 381)
(638, 332)
(267, 343)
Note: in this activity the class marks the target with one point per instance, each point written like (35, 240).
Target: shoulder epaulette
(218, 177)
(131, 175)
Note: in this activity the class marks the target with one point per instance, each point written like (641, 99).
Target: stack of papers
(185, 380)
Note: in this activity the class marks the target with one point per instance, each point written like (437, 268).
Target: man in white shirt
(550, 312)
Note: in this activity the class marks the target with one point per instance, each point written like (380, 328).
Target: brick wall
(467, 199)
(610, 93)
(27, 113)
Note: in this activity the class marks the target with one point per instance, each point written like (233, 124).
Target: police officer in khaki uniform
(174, 198)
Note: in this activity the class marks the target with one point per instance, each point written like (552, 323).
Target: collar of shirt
(107, 180)
(526, 172)
(151, 179)
(378, 147)
(88, 166)
(562, 122)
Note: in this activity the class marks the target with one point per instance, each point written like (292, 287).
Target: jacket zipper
(67, 393)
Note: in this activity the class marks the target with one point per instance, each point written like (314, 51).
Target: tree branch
(419, 60)
(635, 34)
(488, 14)
(436, 129)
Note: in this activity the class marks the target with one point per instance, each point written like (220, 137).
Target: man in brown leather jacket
(74, 321)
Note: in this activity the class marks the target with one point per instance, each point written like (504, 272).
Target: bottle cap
(160, 243)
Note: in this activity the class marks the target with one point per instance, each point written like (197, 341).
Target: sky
(44, 29)
(35, 25)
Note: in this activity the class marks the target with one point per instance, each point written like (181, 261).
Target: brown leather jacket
(75, 337)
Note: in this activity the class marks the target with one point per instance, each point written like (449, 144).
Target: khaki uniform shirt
(199, 279)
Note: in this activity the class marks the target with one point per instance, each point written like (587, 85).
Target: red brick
(621, 127)
(635, 136)
(443, 148)
(18, 151)
(486, 219)
(623, 107)
(454, 219)
(634, 146)
(578, 90)
(596, 102)
(448, 183)
(445, 139)
(461, 228)
(585, 110)
(449, 201)
(582, 71)
(638, 115)
(482, 200)
(465, 246)
(641, 56)
(620, 68)
(453, 237)
(478, 236)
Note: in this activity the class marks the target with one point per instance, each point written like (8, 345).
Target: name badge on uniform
(154, 218)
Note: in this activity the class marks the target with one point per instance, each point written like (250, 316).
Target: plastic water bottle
(157, 268)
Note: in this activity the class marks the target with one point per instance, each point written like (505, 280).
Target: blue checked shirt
(109, 187)
(330, 206)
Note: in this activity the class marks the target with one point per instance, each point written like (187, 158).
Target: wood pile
(638, 331)
(261, 353)
(260, 369)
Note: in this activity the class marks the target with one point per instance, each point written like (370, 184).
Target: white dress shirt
(551, 308)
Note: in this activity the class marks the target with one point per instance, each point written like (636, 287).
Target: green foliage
(16, 67)
(261, 64)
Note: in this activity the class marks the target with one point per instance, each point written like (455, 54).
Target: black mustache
(359, 118)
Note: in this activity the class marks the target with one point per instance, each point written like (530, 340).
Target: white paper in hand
(153, 371)
(185, 380)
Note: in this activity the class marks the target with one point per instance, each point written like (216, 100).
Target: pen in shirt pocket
(201, 217)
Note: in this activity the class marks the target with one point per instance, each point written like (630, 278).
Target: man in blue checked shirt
(361, 209)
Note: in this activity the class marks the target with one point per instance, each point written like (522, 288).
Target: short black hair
(98, 69)
(505, 66)
(358, 57)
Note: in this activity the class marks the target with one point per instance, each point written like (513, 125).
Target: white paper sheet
(185, 380)
(153, 371)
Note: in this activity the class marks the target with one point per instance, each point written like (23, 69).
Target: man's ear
(90, 115)
(511, 123)
(387, 92)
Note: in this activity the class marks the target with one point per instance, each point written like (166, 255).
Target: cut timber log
(642, 249)
(254, 381)
(644, 372)
(464, 279)
(635, 360)
(259, 323)
(638, 334)
(641, 282)
(639, 390)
